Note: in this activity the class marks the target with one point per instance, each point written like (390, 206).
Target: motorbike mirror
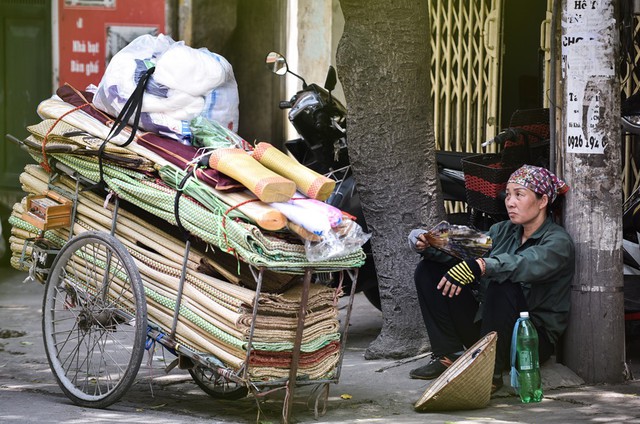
(276, 63)
(332, 79)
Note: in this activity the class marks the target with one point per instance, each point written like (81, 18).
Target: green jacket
(544, 265)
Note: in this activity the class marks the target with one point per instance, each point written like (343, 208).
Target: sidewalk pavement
(377, 391)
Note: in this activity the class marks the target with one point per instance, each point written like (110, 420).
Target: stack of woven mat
(216, 311)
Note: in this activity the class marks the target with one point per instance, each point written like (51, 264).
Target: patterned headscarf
(539, 180)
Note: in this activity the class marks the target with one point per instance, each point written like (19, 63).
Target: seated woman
(529, 268)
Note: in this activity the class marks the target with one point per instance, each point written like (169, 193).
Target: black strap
(176, 203)
(133, 105)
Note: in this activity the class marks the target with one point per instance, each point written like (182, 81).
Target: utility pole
(591, 157)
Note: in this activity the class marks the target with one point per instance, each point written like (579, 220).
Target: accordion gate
(465, 72)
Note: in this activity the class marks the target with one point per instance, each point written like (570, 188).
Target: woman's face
(523, 205)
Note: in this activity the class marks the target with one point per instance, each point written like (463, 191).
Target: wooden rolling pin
(264, 183)
(309, 182)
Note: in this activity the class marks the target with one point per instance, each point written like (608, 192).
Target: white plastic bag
(336, 235)
(186, 83)
(347, 238)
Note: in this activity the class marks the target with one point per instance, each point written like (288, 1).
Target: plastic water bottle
(528, 366)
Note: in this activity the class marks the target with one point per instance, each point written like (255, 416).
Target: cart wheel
(217, 386)
(94, 322)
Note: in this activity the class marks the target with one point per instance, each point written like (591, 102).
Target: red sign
(92, 31)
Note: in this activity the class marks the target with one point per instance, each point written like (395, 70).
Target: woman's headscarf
(539, 180)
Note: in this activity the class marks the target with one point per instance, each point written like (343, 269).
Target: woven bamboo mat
(215, 316)
(78, 142)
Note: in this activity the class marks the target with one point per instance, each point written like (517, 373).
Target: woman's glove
(466, 272)
(417, 240)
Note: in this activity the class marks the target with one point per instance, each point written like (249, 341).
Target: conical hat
(466, 384)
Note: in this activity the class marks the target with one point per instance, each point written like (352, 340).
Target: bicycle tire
(217, 386)
(94, 322)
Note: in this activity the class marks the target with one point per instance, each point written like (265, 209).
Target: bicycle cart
(102, 307)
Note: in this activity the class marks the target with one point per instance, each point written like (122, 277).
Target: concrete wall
(314, 29)
(243, 31)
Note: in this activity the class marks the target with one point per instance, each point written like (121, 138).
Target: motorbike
(320, 120)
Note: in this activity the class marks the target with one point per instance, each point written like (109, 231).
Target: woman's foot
(435, 367)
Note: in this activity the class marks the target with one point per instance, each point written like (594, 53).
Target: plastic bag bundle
(326, 232)
(342, 240)
(186, 83)
(459, 240)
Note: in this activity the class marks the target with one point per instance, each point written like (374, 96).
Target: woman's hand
(448, 288)
(422, 243)
(461, 274)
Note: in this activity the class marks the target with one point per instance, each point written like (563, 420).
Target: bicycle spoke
(95, 319)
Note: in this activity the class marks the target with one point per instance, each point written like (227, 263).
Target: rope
(323, 397)
(45, 163)
(224, 222)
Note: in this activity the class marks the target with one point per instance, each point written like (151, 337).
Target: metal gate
(630, 84)
(466, 45)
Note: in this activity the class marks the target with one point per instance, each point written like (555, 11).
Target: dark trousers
(451, 322)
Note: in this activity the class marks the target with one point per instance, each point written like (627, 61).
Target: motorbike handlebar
(285, 104)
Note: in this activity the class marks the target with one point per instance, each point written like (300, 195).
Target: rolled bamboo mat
(215, 316)
(283, 359)
(159, 313)
(322, 369)
(309, 335)
(62, 133)
(265, 320)
(261, 181)
(264, 215)
(283, 304)
(222, 263)
(56, 130)
(58, 109)
(255, 210)
(309, 182)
